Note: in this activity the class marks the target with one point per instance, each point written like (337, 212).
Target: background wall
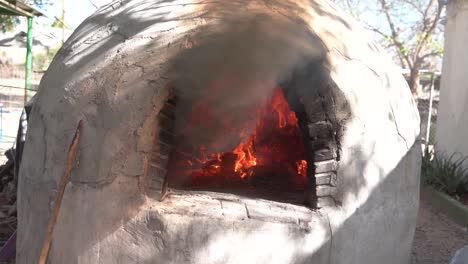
(452, 124)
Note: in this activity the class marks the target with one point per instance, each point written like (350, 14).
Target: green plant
(40, 61)
(8, 22)
(52, 52)
(446, 174)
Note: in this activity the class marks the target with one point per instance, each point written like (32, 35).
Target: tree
(60, 23)
(411, 28)
(42, 60)
(8, 23)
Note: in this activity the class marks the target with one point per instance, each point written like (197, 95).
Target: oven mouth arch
(314, 103)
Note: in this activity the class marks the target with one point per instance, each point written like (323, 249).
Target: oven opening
(257, 151)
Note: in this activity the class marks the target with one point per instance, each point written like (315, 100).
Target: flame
(274, 147)
(302, 168)
(245, 157)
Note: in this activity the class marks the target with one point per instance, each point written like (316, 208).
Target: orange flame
(302, 168)
(245, 157)
(274, 147)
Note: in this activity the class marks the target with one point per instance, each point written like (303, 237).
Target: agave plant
(446, 174)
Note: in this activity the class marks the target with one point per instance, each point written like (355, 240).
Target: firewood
(59, 196)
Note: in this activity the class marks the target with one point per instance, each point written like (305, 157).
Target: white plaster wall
(452, 118)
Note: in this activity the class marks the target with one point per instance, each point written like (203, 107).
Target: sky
(75, 11)
(78, 10)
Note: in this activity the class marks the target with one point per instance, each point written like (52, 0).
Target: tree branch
(376, 30)
(427, 55)
(395, 34)
(415, 6)
(429, 24)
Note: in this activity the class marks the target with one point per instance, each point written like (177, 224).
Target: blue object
(1, 121)
(9, 249)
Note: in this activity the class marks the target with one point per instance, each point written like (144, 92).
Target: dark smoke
(232, 68)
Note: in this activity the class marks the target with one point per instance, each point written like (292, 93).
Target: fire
(245, 158)
(274, 150)
(302, 167)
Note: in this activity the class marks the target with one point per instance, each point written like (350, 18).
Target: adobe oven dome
(134, 61)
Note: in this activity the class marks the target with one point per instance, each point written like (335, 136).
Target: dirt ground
(437, 237)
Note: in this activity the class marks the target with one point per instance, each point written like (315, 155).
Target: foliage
(412, 29)
(42, 60)
(38, 3)
(8, 23)
(58, 23)
(446, 174)
(52, 52)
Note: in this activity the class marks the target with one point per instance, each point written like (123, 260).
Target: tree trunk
(414, 80)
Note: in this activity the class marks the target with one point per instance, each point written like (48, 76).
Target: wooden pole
(429, 114)
(28, 64)
(63, 21)
(59, 197)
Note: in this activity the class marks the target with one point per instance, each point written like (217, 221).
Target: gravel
(437, 237)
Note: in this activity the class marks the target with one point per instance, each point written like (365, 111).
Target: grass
(445, 173)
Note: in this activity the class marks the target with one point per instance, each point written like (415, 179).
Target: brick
(325, 190)
(324, 154)
(160, 160)
(325, 166)
(166, 136)
(324, 178)
(320, 130)
(166, 122)
(161, 148)
(326, 201)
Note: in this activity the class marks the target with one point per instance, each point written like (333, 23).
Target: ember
(272, 156)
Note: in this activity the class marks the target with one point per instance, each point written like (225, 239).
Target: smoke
(232, 70)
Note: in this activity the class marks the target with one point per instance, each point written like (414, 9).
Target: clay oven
(222, 132)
